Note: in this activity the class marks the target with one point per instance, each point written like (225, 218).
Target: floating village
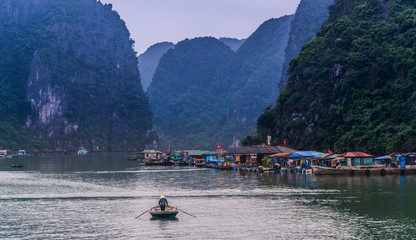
(272, 159)
(283, 159)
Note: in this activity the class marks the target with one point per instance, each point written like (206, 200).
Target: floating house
(355, 159)
(175, 156)
(21, 153)
(407, 160)
(281, 158)
(384, 160)
(303, 158)
(327, 160)
(251, 156)
(217, 157)
(197, 155)
(151, 154)
(3, 153)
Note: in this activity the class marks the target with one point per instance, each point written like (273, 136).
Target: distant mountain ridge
(203, 90)
(149, 60)
(233, 43)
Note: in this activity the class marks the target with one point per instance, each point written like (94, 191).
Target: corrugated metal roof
(215, 152)
(150, 151)
(304, 154)
(197, 153)
(323, 155)
(355, 154)
(263, 150)
(328, 156)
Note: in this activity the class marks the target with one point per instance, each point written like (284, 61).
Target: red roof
(355, 154)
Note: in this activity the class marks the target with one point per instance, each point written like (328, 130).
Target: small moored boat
(169, 212)
(16, 166)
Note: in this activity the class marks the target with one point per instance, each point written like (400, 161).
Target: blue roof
(383, 157)
(304, 154)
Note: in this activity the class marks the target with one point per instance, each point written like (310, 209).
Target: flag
(270, 149)
(329, 151)
(284, 141)
(219, 147)
(213, 140)
(222, 150)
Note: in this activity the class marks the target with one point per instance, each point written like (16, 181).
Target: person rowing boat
(163, 202)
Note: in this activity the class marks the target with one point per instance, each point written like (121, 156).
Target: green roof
(198, 153)
(215, 152)
(150, 151)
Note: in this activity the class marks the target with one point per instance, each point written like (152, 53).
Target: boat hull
(169, 212)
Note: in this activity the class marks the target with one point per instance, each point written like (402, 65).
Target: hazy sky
(153, 21)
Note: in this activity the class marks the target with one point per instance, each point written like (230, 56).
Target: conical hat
(161, 196)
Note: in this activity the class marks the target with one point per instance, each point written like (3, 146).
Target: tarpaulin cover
(304, 154)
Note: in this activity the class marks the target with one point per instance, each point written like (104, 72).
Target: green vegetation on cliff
(69, 76)
(186, 109)
(353, 87)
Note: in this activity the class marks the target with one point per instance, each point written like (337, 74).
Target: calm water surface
(98, 197)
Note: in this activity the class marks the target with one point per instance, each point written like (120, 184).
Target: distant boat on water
(82, 152)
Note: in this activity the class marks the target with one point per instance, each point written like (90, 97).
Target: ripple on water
(229, 205)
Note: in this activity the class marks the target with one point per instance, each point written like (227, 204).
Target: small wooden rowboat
(170, 212)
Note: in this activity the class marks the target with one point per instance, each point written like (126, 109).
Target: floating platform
(362, 170)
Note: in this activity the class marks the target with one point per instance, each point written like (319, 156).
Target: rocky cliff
(309, 17)
(250, 80)
(72, 66)
(182, 93)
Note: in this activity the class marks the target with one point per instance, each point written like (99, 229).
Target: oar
(142, 214)
(186, 213)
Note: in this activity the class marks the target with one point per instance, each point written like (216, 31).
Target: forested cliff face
(149, 60)
(181, 93)
(249, 82)
(69, 77)
(309, 17)
(353, 87)
(203, 90)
